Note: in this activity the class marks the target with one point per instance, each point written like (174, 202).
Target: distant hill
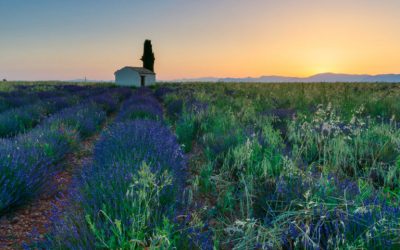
(324, 77)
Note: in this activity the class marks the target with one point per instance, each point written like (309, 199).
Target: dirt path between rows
(16, 228)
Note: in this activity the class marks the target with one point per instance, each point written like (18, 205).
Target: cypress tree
(148, 56)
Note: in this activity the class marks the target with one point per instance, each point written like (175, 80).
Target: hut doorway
(142, 80)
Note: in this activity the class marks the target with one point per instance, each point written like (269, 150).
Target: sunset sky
(69, 39)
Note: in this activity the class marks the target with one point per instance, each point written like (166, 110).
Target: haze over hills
(324, 77)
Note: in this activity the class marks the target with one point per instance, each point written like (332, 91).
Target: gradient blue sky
(54, 39)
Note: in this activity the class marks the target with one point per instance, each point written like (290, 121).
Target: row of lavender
(129, 196)
(26, 95)
(20, 119)
(29, 161)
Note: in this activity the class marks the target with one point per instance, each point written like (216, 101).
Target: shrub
(141, 107)
(349, 146)
(141, 111)
(110, 192)
(174, 109)
(307, 212)
(107, 102)
(161, 92)
(144, 198)
(27, 164)
(85, 118)
(186, 130)
(20, 119)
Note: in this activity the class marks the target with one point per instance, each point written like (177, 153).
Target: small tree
(4, 80)
(148, 56)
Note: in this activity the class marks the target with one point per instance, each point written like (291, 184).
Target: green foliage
(143, 197)
(226, 199)
(269, 173)
(206, 184)
(142, 115)
(355, 147)
(17, 120)
(398, 162)
(186, 131)
(252, 159)
(221, 131)
(148, 56)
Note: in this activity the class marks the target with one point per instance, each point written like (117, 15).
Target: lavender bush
(28, 161)
(28, 164)
(141, 107)
(129, 193)
(20, 119)
(86, 118)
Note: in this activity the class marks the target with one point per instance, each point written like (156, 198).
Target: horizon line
(200, 77)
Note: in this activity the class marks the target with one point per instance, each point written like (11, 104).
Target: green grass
(283, 161)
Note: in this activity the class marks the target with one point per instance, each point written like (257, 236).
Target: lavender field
(200, 166)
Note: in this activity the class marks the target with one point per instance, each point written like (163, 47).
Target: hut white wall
(127, 77)
(150, 80)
